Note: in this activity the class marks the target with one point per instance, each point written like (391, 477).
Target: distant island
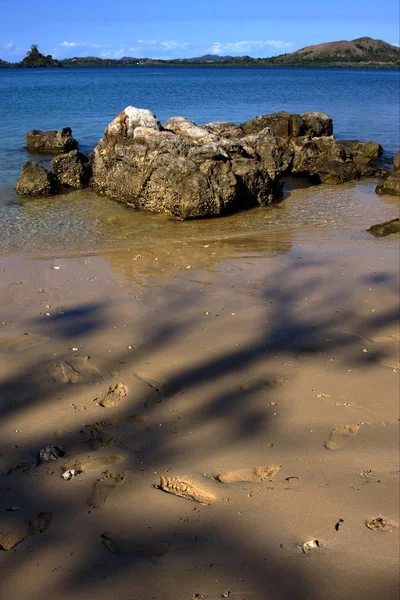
(362, 52)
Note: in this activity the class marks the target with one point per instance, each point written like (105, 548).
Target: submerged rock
(386, 228)
(391, 185)
(36, 181)
(50, 142)
(72, 169)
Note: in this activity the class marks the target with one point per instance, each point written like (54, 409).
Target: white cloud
(172, 45)
(12, 48)
(147, 42)
(80, 44)
(248, 46)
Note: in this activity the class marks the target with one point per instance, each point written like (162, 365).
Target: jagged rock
(332, 172)
(193, 171)
(276, 153)
(188, 129)
(284, 124)
(386, 228)
(124, 125)
(225, 129)
(36, 181)
(72, 169)
(184, 170)
(50, 142)
(316, 124)
(391, 185)
(362, 151)
(396, 161)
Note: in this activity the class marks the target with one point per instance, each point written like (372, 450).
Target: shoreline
(252, 361)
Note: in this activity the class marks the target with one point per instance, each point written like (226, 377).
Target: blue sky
(183, 28)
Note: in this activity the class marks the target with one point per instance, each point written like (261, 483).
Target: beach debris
(225, 594)
(114, 395)
(342, 404)
(379, 524)
(322, 395)
(290, 477)
(70, 473)
(338, 524)
(309, 546)
(50, 453)
(56, 267)
(367, 473)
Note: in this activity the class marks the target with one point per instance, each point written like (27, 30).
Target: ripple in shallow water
(84, 222)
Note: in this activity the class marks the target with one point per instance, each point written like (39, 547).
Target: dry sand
(279, 373)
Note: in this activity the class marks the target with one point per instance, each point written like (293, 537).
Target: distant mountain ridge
(362, 52)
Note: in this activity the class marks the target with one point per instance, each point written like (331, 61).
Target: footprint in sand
(104, 486)
(392, 337)
(137, 419)
(114, 395)
(255, 474)
(380, 524)
(184, 489)
(25, 341)
(73, 370)
(385, 361)
(37, 524)
(340, 434)
(125, 546)
(92, 464)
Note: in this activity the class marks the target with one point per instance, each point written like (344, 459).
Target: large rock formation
(193, 171)
(36, 181)
(186, 170)
(50, 142)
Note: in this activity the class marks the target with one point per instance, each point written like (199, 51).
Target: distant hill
(4, 63)
(363, 51)
(35, 59)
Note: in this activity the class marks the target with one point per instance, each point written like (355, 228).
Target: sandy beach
(259, 386)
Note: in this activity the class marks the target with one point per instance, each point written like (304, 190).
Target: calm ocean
(364, 104)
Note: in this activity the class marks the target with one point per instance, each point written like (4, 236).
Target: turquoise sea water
(363, 103)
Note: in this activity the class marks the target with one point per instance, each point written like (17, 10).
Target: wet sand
(272, 363)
